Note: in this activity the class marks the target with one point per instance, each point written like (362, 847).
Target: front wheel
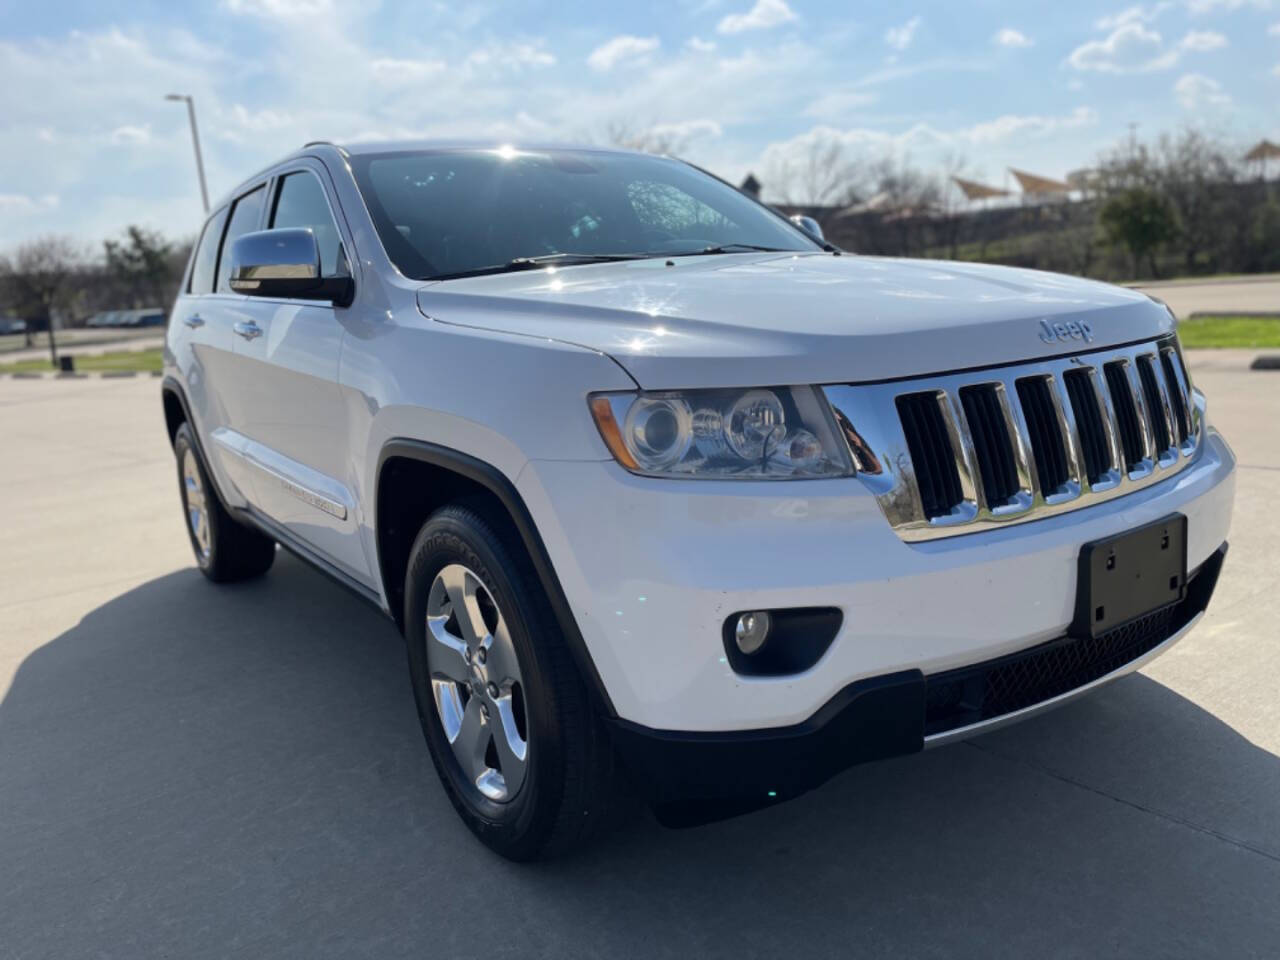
(520, 752)
(226, 550)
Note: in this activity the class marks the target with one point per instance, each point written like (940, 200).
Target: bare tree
(822, 175)
(953, 213)
(36, 280)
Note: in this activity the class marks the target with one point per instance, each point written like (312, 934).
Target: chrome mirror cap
(808, 225)
(284, 263)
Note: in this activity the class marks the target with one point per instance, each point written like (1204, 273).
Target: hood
(770, 319)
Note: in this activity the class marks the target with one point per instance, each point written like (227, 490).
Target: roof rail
(324, 143)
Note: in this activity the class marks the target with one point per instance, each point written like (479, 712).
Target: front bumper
(651, 569)
(693, 778)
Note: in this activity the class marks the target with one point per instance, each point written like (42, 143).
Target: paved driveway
(191, 771)
(1256, 294)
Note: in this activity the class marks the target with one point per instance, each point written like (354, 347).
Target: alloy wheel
(196, 504)
(476, 683)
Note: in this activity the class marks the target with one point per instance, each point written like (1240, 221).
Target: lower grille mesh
(981, 691)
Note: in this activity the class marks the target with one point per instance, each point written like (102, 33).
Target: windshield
(449, 212)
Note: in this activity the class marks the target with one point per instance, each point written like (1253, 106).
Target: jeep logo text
(1066, 331)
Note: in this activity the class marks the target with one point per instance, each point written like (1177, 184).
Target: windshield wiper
(742, 248)
(546, 260)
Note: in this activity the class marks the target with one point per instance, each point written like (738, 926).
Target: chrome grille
(969, 451)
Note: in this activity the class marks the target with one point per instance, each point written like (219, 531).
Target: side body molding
(497, 483)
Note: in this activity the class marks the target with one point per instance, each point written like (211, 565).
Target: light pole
(195, 140)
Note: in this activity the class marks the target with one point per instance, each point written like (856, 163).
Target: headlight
(780, 433)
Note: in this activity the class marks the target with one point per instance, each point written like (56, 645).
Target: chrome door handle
(193, 322)
(249, 330)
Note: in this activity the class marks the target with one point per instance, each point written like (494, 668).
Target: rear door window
(206, 257)
(246, 217)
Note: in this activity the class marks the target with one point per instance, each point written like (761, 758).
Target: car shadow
(237, 771)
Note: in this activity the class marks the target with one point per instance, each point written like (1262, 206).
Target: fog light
(752, 630)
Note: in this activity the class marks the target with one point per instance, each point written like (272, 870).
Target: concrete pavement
(194, 771)
(1250, 294)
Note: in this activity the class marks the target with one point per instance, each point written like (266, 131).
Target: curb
(1256, 314)
(1203, 281)
(94, 375)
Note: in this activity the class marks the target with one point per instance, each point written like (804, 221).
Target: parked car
(663, 489)
(145, 317)
(12, 325)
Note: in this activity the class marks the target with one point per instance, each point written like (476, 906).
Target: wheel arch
(435, 475)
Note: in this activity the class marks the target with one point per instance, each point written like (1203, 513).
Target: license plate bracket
(1124, 577)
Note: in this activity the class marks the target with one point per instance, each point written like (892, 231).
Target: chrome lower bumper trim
(995, 723)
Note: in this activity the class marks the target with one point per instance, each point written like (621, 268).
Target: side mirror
(285, 263)
(808, 225)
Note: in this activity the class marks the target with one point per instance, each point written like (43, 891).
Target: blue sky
(87, 143)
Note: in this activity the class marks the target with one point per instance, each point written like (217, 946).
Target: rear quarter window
(206, 257)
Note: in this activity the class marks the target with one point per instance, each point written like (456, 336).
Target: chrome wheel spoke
(448, 654)
(512, 749)
(501, 664)
(461, 585)
(471, 742)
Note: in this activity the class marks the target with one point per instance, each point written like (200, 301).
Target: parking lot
(194, 771)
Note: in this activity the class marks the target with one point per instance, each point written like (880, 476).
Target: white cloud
(514, 56)
(1274, 29)
(1008, 37)
(22, 203)
(1195, 91)
(281, 9)
(260, 121)
(393, 71)
(1132, 48)
(1010, 125)
(1136, 14)
(1203, 40)
(837, 104)
(1214, 6)
(621, 48)
(700, 45)
(900, 37)
(131, 133)
(765, 14)
(686, 130)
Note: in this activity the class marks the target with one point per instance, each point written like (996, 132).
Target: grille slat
(992, 446)
(1047, 442)
(1155, 403)
(1089, 424)
(931, 453)
(1126, 413)
(1176, 398)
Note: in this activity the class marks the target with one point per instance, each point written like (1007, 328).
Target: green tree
(142, 264)
(1141, 220)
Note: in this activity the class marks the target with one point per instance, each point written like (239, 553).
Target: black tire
(569, 784)
(234, 551)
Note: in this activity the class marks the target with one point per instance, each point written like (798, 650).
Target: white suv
(659, 485)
